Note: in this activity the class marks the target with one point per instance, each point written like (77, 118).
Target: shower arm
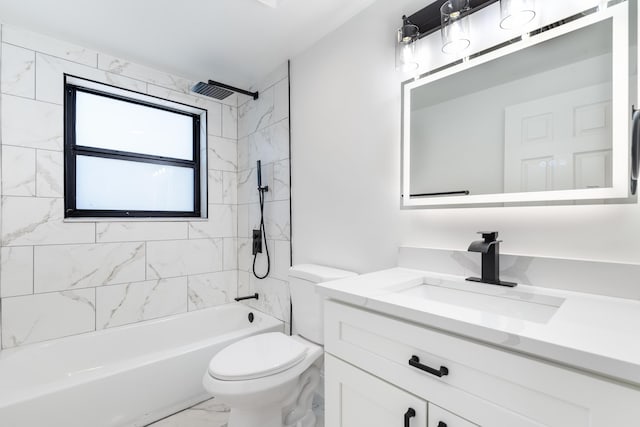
(234, 89)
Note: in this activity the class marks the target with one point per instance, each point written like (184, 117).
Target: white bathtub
(125, 376)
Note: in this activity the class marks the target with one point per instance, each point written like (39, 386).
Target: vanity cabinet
(460, 382)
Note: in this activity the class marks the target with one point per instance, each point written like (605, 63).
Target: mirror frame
(621, 102)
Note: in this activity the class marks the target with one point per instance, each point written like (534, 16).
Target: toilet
(269, 380)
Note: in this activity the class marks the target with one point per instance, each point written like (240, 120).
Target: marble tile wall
(263, 134)
(60, 278)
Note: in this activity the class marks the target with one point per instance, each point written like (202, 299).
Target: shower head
(219, 90)
(213, 91)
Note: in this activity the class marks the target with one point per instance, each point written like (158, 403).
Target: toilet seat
(257, 357)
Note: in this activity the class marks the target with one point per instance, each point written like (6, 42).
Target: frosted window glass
(112, 124)
(111, 184)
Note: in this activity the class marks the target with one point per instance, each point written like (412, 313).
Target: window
(129, 154)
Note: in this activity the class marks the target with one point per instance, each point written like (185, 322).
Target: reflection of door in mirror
(561, 142)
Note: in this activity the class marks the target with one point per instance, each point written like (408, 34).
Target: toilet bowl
(261, 379)
(269, 380)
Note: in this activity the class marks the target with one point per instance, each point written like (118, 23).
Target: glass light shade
(516, 14)
(455, 26)
(406, 59)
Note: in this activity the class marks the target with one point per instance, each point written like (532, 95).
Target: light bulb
(516, 14)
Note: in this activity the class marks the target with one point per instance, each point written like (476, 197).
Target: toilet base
(293, 411)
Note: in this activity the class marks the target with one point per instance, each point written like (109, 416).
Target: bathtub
(125, 376)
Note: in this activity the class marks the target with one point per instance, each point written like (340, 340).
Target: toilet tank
(308, 315)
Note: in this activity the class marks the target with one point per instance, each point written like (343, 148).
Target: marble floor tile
(209, 413)
(214, 414)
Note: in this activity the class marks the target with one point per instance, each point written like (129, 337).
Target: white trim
(620, 117)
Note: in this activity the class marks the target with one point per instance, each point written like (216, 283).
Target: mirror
(542, 119)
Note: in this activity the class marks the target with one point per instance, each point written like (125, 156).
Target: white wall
(346, 168)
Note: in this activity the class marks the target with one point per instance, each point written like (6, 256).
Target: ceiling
(237, 42)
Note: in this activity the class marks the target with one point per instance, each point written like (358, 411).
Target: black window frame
(72, 150)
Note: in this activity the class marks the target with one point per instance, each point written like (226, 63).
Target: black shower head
(219, 90)
(213, 91)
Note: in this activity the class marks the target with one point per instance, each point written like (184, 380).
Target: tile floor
(209, 413)
(214, 414)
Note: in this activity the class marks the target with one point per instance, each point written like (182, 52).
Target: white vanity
(411, 348)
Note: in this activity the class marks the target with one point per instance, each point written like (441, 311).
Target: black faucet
(490, 250)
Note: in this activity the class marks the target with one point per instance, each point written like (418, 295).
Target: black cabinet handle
(635, 150)
(441, 424)
(415, 362)
(408, 415)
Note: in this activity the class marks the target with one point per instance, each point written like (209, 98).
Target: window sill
(152, 219)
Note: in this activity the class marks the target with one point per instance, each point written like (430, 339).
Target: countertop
(590, 332)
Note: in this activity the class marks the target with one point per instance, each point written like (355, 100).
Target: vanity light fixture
(407, 36)
(516, 14)
(455, 26)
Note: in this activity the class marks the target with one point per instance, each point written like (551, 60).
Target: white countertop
(591, 332)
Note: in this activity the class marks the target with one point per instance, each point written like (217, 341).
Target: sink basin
(512, 302)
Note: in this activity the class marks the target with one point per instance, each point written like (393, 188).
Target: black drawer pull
(441, 424)
(415, 362)
(408, 415)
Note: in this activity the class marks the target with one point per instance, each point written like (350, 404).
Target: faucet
(490, 250)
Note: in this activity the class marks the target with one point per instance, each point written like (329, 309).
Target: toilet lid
(256, 357)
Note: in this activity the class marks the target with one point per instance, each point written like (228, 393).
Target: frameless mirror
(545, 120)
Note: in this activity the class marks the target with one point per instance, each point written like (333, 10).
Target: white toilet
(269, 380)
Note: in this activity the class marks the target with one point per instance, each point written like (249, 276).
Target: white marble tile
(16, 271)
(33, 318)
(255, 115)
(281, 179)
(243, 221)
(63, 267)
(222, 154)
(222, 222)
(139, 231)
(49, 174)
(276, 219)
(280, 100)
(30, 123)
(206, 414)
(134, 302)
(211, 289)
(247, 186)
(215, 186)
(214, 121)
(274, 297)
(230, 122)
(175, 258)
(244, 254)
(18, 69)
(125, 68)
(39, 221)
(244, 283)
(18, 171)
(48, 45)
(281, 259)
(243, 154)
(269, 144)
(230, 188)
(230, 254)
(49, 78)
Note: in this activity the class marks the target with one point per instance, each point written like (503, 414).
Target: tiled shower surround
(60, 278)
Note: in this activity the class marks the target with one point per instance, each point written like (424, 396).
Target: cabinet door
(438, 417)
(357, 399)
